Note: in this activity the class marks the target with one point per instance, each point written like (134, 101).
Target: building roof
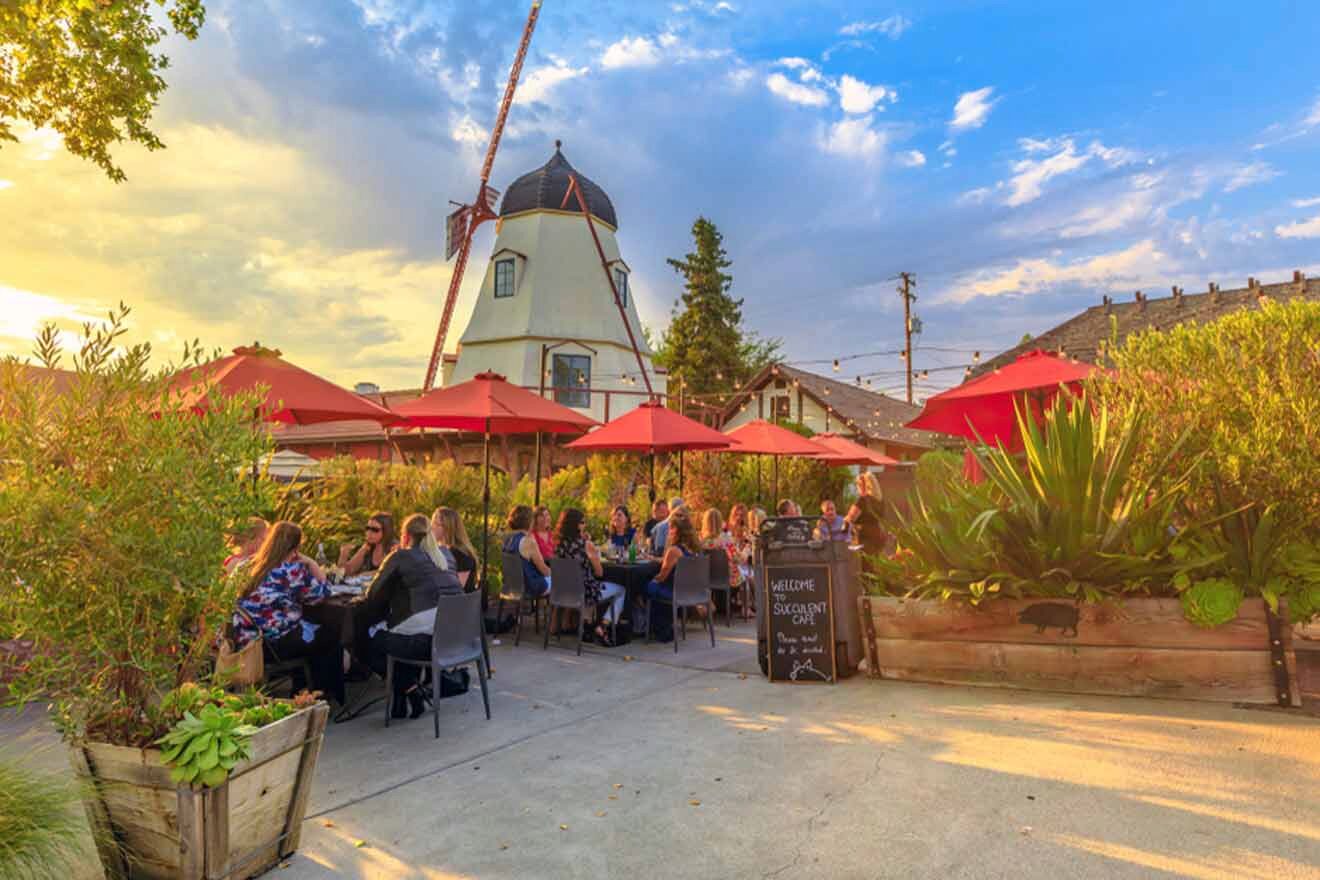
(544, 189)
(869, 414)
(1082, 336)
(61, 380)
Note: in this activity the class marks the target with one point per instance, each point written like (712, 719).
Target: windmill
(462, 224)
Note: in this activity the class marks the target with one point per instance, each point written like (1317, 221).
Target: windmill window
(621, 284)
(571, 377)
(503, 278)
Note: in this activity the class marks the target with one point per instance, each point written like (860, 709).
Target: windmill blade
(462, 224)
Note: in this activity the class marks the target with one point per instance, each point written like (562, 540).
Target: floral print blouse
(275, 607)
(577, 549)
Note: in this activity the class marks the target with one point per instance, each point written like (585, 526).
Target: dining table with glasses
(339, 612)
(633, 575)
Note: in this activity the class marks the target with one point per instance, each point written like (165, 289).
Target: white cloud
(1030, 175)
(796, 92)
(854, 138)
(467, 131)
(6, 184)
(540, 82)
(912, 159)
(948, 149)
(1306, 203)
(976, 196)
(723, 6)
(892, 27)
(1141, 264)
(1313, 118)
(806, 71)
(631, 52)
(25, 313)
(972, 109)
(856, 96)
(1249, 175)
(1300, 229)
(793, 63)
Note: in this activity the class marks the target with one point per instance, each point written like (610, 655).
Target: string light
(836, 365)
(976, 357)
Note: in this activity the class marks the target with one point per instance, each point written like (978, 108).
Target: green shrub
(1245, 392)
(113, 514)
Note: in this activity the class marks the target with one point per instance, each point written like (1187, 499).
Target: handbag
(244, 667)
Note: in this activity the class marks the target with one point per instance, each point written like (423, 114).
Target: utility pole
(905, 289)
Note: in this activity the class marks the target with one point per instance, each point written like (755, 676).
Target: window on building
(621, 284)
(783, 409)
(571, 377)
(503, 278)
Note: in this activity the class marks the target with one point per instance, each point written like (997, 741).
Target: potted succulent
(113, 512)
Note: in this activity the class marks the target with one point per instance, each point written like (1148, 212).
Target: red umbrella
(652, 427)
(846, 452)
(985, 405)
(294, 396)
(759, 437)
(489, 404)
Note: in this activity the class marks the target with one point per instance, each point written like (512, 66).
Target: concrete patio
(693, 766)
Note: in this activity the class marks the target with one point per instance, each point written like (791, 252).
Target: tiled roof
(1082, 335)
(61, 379)
(868, 413)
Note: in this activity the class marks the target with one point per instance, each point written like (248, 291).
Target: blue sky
(1022, 159)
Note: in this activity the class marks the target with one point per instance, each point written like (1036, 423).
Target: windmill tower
(546, 314)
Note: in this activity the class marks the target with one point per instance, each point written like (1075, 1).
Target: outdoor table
(633, 577)
(340, 613)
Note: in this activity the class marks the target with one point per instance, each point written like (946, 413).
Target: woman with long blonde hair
(867, 516)
(276, 585)
(449, 532)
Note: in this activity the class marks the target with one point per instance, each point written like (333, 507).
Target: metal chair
(568, 589)
(692, 590)
(514, 588)
(719, 580)
(456, 641)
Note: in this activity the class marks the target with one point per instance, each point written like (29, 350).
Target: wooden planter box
(1142, 647)
(148, 827)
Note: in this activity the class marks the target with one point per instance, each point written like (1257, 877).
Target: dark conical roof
(544, 188)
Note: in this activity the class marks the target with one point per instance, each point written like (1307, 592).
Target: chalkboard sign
(800, 618)
(788, 530)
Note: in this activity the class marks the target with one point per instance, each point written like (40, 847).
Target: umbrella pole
(652, 487)
(774, 484)
(680, 472)
(537, 493)
(758, 479)
(485, 511)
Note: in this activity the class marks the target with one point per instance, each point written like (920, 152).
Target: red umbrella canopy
(986, 403)
(759, 437)
(845, 452)
(652, 427)
(488, 403)
(294, 396)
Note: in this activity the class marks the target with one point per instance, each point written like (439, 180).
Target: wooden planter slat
(1155, 623)
(155, 829)
(1144, 647)
(1186, 673)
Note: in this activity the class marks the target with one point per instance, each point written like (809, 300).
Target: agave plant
(1069, 517)
(1078, 519)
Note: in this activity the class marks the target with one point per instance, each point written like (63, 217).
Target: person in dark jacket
(400, 603)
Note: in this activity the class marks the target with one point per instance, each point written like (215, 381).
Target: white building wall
(560, 293)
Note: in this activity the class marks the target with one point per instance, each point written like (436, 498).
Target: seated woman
(713, 535)
(275, 585)
(379, 543)
(401, 603)
(573, 544)
(682, 542)
(622, 533)
(244, 542)
(536, 572)
(543, 533)
(447, 527)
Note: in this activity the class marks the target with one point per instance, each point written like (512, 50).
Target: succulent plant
(203, 748)
(1211, 602)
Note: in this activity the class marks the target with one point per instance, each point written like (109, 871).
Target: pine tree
(705, 346)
